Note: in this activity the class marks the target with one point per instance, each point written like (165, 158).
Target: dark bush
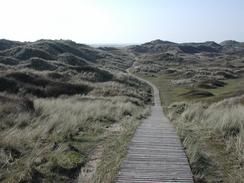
(8, 85)
(8, 61)
(29, 79)
(211, 84)
(27, 105)
(197, 93)
(33, 176)
(33, 90)
(11, 152)
(18, 104)
(41, 65)
(66, 89)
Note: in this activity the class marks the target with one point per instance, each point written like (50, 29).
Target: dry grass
(53, 141)
(114, 149)
(48, 128)
(50, 135)
(214, 138)
(211, 128)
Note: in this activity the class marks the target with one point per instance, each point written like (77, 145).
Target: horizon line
(120, 43)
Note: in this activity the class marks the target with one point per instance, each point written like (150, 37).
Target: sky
(122, 21)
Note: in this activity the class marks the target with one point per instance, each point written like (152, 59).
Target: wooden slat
(155, 154)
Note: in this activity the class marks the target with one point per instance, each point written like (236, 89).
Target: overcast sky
(122, 21)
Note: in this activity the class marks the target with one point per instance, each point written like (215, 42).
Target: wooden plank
(155, 154)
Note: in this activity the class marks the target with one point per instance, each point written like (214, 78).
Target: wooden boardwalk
(155, 154)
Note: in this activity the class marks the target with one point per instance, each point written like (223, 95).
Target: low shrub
(215, 131)
(8, 85)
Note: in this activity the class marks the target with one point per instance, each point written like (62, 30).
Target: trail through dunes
(155, 153)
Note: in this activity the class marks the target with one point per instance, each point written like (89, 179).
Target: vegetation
(63, 107)
(68, 110)
(57, 135)
(211, 128)
(201, 90)
(213, 137)
(168, 93)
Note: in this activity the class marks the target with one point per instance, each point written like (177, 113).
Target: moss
(70, 159)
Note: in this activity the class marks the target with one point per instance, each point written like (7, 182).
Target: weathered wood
(155, 154)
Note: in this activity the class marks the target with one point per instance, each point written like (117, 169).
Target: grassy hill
(63, 103)
(68, 110)
(201, 88)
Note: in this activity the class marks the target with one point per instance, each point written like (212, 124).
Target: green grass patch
(70, 159)
(211, 128)
(168, 93)
(233, 85)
